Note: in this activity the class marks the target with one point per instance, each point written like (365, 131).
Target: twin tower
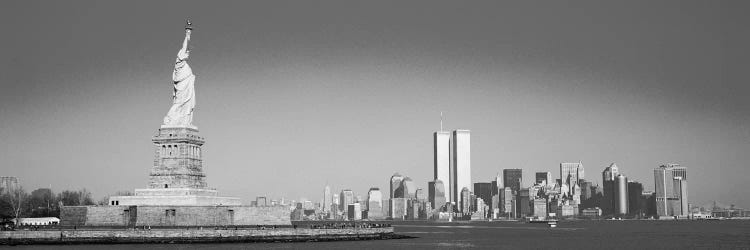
(452, 152)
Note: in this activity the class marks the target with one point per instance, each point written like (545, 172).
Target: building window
(166, 185)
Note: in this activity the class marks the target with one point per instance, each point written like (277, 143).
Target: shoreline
(130, 236)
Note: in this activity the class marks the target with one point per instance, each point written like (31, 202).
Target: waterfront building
(398, 208)
(524, 202)
(441, 143)
(636, 200)
(354, 211)
(671, 190)
(540, 208)
(609, 176)
(567, 210)
(484, 190)
(512, 178)
(436, 194)
(374, 204)
(507, 202)
(591, 212)
(621, 195)
(465, 206)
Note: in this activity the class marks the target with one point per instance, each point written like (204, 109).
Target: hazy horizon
(292, 95)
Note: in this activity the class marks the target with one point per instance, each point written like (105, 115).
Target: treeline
(42, 202)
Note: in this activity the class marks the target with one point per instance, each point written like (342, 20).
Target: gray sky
(294, 94)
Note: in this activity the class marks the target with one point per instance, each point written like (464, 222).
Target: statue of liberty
(183, 97)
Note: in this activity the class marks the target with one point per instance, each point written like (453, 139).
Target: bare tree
(17, 197)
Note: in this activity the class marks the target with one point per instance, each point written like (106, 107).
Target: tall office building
(571, 174)
(442, 151)
(512, 178)
(586, 190)
(465, 205)
(671, 190)
(497, 184)
(395, 183)
(506, 202)
(407, 189)
(436, 194)
(374, 204)
(608, 184)
(461, 160)
(335, 206)
(636, 201)
(327, 199)
(544, 178)
(346, 198)
(621, 195)
(484, 190)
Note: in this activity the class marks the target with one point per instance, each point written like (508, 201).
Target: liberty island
(178, 203)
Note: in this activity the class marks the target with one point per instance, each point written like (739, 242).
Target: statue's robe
(181, 112)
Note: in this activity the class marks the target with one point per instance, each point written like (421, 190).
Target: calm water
(733, 234)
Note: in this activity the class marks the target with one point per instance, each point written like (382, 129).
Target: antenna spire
(441, 121)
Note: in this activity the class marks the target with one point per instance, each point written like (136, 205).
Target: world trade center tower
(461, 161)
(441, 140)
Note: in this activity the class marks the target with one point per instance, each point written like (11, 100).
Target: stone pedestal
(177, 176)
(177, 159)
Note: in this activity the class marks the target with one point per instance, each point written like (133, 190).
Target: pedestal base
(174, 197)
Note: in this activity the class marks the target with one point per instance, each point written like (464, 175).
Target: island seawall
(115, 236)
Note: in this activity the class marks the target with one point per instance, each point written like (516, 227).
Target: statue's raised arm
(183, 97)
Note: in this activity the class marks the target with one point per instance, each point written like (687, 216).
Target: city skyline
(294, 96)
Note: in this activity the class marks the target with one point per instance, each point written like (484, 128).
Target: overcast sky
(292, 95)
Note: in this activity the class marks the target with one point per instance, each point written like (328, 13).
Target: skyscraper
(465, 205)
(544, 178)
(636, 201)
(461, 160)
(512, 178)
(608, 184)
(621, 195)
(346, 198)
(671, 190)
(484, 190)
(395, 183)
(374, 204)
(506, 202)
(497, 184)
(407, 189)
(327, 199)
(436, 193)
(441, 140)
(571, 174)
